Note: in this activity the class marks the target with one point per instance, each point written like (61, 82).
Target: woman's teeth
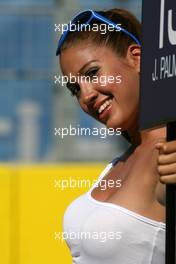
(105, 105)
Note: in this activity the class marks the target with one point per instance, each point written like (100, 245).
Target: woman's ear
(134, 56)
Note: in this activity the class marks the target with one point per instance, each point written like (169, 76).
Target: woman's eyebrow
(85, 65)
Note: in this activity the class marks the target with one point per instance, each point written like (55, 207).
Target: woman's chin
(113, 125)
(114, 122)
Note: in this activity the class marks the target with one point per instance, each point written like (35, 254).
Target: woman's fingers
(164, 159)
(167, 162)
(167, 147)
(168, 179)
(167, 169)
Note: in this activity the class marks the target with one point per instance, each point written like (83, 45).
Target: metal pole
(171, 208)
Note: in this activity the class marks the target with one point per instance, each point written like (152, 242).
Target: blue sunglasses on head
(84, 18)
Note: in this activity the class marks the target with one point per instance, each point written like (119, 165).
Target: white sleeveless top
(105, 233)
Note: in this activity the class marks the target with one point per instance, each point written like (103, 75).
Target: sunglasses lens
(82, 18)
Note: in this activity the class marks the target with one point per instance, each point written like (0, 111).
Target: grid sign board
(158, 66)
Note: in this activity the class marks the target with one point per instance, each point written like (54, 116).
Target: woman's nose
(88, 93)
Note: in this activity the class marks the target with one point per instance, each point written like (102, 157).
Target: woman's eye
(74, 88)
(92, 73)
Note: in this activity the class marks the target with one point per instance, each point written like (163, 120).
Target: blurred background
(32, 105)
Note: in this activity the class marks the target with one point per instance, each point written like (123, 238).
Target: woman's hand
(167, 162)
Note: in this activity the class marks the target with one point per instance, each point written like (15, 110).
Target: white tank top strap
(101, 176)
(104, 172)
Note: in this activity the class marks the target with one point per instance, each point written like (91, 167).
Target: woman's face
(111, 92)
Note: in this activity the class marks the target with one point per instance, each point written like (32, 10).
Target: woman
(131, 217)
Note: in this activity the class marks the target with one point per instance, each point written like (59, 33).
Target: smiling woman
(133, 210)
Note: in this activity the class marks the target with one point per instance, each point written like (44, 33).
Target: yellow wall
(31, 211)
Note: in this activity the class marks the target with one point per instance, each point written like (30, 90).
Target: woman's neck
(148, 136)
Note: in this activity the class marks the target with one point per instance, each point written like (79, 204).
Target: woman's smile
(103, 108)
(103, 116)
